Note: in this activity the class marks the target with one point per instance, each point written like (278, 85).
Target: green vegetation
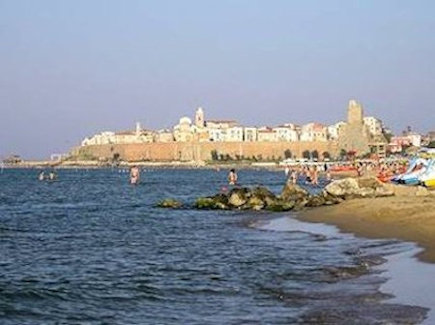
(306, 154)
(287, 154)
(326, 155)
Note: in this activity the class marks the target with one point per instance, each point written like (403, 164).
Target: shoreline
(406, 218)
(396, 266)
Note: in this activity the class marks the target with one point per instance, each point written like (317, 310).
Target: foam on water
(409, 281)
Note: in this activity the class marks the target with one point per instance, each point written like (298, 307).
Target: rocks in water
(280, 206)
(216, 202)
(316, 201)
(349, 188)
(293, 192)
(293, 197)
(243, 198)
(254, 203)
(263, 194)
(169, 203)
(238, 196)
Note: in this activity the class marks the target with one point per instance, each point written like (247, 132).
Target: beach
(408, 218)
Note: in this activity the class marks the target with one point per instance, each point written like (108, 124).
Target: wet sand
(407, 218)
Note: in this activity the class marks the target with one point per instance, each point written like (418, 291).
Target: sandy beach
(410, 218)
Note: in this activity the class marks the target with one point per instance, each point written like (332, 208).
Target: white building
(373, 124)
(286, 133)
(164, 135)
(334, 130)
(217, 135)
(184, 131)
(250, 134)
(235, 134)
(414, 138)
(106, 137)
(314, 132)
(266, 134)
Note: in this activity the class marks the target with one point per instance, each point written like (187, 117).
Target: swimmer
(52, 176)
(134, 175)
(232, 177)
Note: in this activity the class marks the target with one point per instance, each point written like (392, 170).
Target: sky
(70, 69)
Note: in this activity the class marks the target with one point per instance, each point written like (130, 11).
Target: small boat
(429, 183)
(342, 168)
(428, 178)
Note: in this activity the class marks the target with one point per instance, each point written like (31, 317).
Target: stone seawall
(188, 151)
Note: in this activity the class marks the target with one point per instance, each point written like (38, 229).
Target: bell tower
(199, 118)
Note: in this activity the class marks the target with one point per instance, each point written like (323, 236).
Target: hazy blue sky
(73, 68)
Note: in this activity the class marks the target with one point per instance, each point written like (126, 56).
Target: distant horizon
(73, 69)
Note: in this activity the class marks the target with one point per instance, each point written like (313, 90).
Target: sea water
(89, 248)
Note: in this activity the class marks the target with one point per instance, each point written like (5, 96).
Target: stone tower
(354, 136)
(354, 113)
(199, 118)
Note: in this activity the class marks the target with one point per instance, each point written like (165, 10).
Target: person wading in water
(134, 175)
(232, 177)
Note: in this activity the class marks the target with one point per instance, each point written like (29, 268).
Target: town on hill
(203, 139)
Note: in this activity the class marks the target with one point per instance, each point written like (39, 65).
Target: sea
(89, 248)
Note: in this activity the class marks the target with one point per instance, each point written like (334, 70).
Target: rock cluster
(244, 198)
(169, 203)
(292, 197)
(350, 188)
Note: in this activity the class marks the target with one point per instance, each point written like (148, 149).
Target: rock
(383, 191)
(330, 199)
(370, 182)
(300, 204)
(215, 202)
(280, 206)
(263, 194)
(365, 192)
(316, 201)
(254, 203)
(238, 196)
(349, 188)
(169, 203)
(343, 187)
(293, 192)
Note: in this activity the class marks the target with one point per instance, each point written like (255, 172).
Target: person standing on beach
(232, 177)
(134, 175)
(294, 176)
(287, 171)
(314, 176)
